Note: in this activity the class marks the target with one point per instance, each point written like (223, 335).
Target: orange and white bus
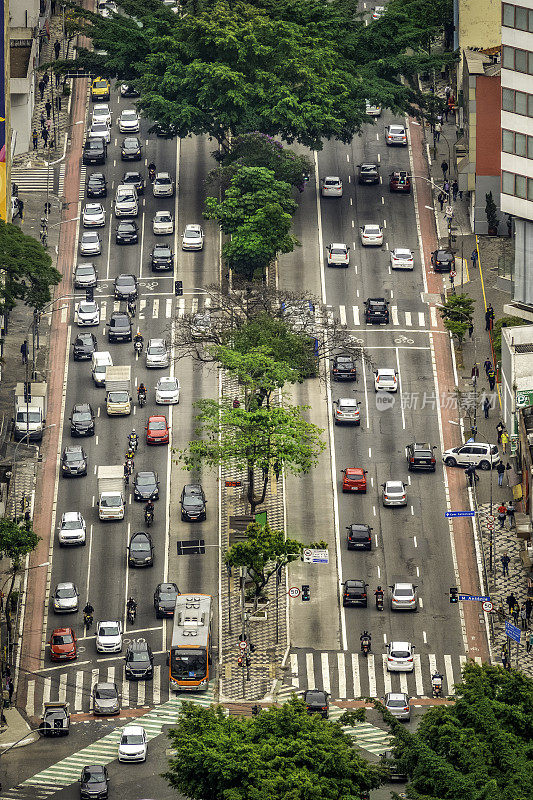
(190, 651)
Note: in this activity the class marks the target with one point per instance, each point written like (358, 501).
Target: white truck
(118, 390)
(30, 411)
(111, 500)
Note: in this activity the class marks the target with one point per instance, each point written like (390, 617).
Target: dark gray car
(106, 699)
(94, 782)
(85, 276)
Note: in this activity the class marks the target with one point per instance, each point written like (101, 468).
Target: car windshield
(396, 703)
(88, 308)
(139, 544)
(73, 455)
(100, 84)
(119, 322)
(404, 592)
(145, 479)
(156, 350)
(163, 216)
(132, 738)
(191, 234)
(93, 210)
(81, 416)
(348, 405)
(394, 488)
(193, 501)
(87, 270)
(129, 115)
(163, 181)
(400, 653)
(157, 425)
(111, 502)
(168, 386)
(188, 663)
(109, 630)
(119, 397)
(64, 638)
(32, 416)
(71, 525)
(65, 592)
(162, 250)
(105, 694)
(93, 777)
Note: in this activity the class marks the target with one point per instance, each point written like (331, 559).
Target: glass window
(507, 99)
(520, 103)
(520, 186)
(530, 146)
(520, 144)
(530, 188)
(530, 26)
(507, 142)
(520, 60)
(508, 57)
(521, 19)
(507, 183)
(508, 15)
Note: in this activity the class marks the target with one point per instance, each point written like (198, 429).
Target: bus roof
(192, 620)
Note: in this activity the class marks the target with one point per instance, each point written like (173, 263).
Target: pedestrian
(446, 187)
(474, 374)
(490, 312)
(487, 365)
(500, 469)
(41, 88)
(529, 643)
(441, 199)
(511, 510)
(486, 407)
(48, 107)
(43, 120)
(509, 226)
(487, 320)
(474, 257)
(2, 595)
(448, 90)
(504, 658)
(58, 79)
(444, 168)
(523, 617)
(491, 375)
(46, 78)
(24, 351)
(445, 112)
(502, 513)
(505, 565)
(471, 475)
(44, 136)
(10, 689)
(57, 101)
(57, 48)
(505, 440)
(5, 696)
(516, 614)
(455, 190)
(20, 206)
(499, 430)
(511, 602)
(438, 130)
(529, 607)
(470, 327)
(35, 139)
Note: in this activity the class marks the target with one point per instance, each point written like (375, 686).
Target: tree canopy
(457, 313)
(29, 273)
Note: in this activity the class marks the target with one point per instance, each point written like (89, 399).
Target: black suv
(94, 152)
(82, 420)
(131, 149)
(162, 257)
(134, 179)
(316, 702)
(146, 486)
(354, 593)
(94, 783)
(376, 311)
(442, 261)
(344, 368)
(85, 345)
(73, 461)
(193, 503)
(119, 327)
(125, 287)
(359, 537)
(127, 232)
(420, 456)
(96, 185)
(139, 661)
(368, 173)
(165, 597)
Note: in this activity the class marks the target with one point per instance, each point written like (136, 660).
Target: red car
(354, 480)
(63, 645)
(400, 182)
(157, 430)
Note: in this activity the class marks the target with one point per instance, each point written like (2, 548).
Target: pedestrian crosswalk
(347, 676)
(61, 188)
(33, 179)
(369, 737)
(353, 317)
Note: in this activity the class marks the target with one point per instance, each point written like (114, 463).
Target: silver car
(65, 598)
(157, 354)
(106, 699)
(400, 657)
(404, 597)
(397, 704)
(128, 122)
(85, 276)
(163, 223)
(396, 135)
(163, 185)
(347, 411)
(99, 130)
(331, 186)
(90, 244)
(72, 529)
(394, 493)
(93, 215)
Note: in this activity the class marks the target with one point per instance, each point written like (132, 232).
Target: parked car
(442, 260)
(477, 454)
(193, 503)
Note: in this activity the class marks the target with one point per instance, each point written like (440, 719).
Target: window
(516, 59)
(517, 185)
(521, 102)
(520, 186)
(520, 144)
(520, 19)
(508, 99)
(520, 60)
(518, 102)
(507, 141)
(517, 17)
(508, 15)
(507, 57)
(507, 183)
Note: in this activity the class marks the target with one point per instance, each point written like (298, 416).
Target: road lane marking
(325, 672)
(433, 316)
(394, 315)
(400, 387)
(386, 674)
(310, 670)
(418, 675)
(421, 319)
(342, 315)
(371, 676)
(356, 680)
(403, 683)
(294, 670)
(156, 685)
(78, 692)
(408, 320)
(155, 308)
(432, 662)
(341, 668)
(449, 672)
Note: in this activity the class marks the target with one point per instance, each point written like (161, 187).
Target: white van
(100, 362)
(126, 201)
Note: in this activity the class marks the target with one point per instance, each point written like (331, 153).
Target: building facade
(516, 376)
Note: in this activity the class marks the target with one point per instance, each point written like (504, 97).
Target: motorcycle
(365, 645)
(132, 613)
(151, 173)
(436, 685)
(148, 517)
(138, 347)
(379, 602)
(133, 442)
(142, 399)
(87, 620)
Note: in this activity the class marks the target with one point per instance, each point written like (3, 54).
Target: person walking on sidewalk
(57, 101)
(516, 614)
(529, 607)
(474, 257)
(523, 617)
(489, 318)
(455, 190)
(446, 189)
(505, 565)
(444, 168)
(35, 139)
(511, 510)
(45, 135)
(471, 475)
(505, 441)
(57, 48)
(438, 131)
(511, 602)
(502, 513)
(475, 374)
(48, 107)
(441, 199)
(46, 78)
(24, 351)
(486, 407)
(20, 206)
(471, 326)
(500, 469)
(487, 365)
(491, 375)
(41, 88)
(500, 427)
(529, 643)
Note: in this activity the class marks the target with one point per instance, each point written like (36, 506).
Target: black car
(376, 311)
(141, 550)
(127, 232)
(193, 503)
(84, 346)
(131, 149)
(163, 130)
(162, 257)
(73, 461)
(420, 455)
(316, 702)
(344, 368)
(94, 782)
(165, 597)
(96, 185)
(442, 261)
(359, 537)
(94, 152)
(125, 287)
(82, 420)
(139, 661)
(368, 173)
(354, 593)
(146, 486)
(119, 327)
(128, 91)
(134, 179)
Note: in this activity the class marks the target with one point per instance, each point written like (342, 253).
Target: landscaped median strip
(367, 736)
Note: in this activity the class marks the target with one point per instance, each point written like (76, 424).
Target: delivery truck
(111, 500)
(30, 411)
(118, 390)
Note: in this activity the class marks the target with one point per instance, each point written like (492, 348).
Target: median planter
(260, 615)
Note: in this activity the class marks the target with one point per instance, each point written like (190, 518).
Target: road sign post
(294, 592)
(460, 514)
(480, 598)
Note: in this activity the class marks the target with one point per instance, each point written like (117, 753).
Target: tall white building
(517, 142)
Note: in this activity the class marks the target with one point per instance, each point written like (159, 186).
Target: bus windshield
(188, 664)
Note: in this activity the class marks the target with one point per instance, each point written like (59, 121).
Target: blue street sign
(480, 598)
(512, 632)
(460, 514)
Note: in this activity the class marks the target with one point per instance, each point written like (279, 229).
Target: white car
(400, 657)
(101, 113)
(163, 223)
(395, 134)
(65, 598)
(87, 313)
(372, 110)
(109, 637)
(99, 130)
(72, 529)
(193, 237)
(133, 745)
(331, 186)
(90, 244)
(157, 354)
(201, 324)
(371, 235)
(167, 391)
(93, 215)
(403, 597)
(394, 493)
(347, 411)
(378, 12)
(128, 122)
(477, 454)
(338, 254)
(126, 201)
(385, 380)
(163, 185)
(401, 258)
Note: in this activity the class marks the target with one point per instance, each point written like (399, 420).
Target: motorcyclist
(131, 605)
(151, 170)
(132, 306)
(149, 508)
(436, 679)
(133, 440)
(88, 608)
(379, 596)
(126, 473)
(365, 639)
(138, 338)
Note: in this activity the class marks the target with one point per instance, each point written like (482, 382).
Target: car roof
(138, 646)
(193, 226)
(332, 178)
(108, 622)
(64, 585)
(168, 379)
(400, 645)
(394, 484)
(386, 371)
(355, 582)
(338, 244)
(402, 250)
(368, 166)
(71, 515)
(167, 587)
(355, 470)
(94, 768)
(193, 487)
(73, 448)
(81, 407)
(162, 175)
(132, 729)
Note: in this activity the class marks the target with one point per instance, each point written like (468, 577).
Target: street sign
(460, 514)
(234, 483)
(312, 556)
(512, 632)
(453, 274)
(490, 518)
(294, 591)
(478, 597)
(487, 606)
(243, 645)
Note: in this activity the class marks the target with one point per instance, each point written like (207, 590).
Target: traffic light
(89, 295)
(178, 288)
(240, 661)
(454, 595)
(305, 592)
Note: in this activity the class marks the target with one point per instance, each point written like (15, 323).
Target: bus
(190, 650)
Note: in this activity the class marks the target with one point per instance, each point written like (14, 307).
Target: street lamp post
(52, 164)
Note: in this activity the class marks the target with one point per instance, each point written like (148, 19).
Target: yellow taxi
(100, 89)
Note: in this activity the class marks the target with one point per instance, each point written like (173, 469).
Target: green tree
(257, 371)
(28, 269)
(260, 150)
(279, 340)
(266, 439)
(457, 313)
(282, 754)
(17, 540)
(479, 748)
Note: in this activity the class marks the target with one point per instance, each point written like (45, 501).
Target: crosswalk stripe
(403, 682)
(33, 180)
(394, 315)
(418, 675)
(449, 673)
(194, 305)
(478, 660)
(408, 320)
(294, 669)
(462, 660)
(325, 673)
(181, 307)
(356, 315)
(433, 316)
(342, 315)
(142, 306)
(156, 685)
(421, 319)
(432, 663)
(103, 311)
(125, 694)
(310, 670)
(386, 674)
(355, 675)
(111, 674)
(341, 671)
(78, 696)
(46, 689)
(155, 308)
(63, 688)
(371, 676)
(168, 310)
(141, 689)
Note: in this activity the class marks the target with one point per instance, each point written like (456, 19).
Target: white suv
(109, 637)
(126, 201)
(72, 529)
(477, 454)
(400, 657)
